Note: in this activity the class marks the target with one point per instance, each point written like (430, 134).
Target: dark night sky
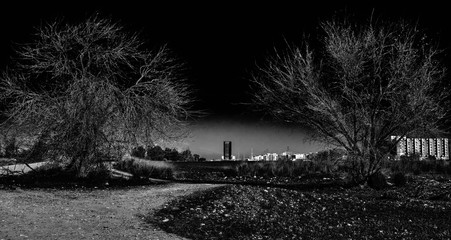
(221, 43)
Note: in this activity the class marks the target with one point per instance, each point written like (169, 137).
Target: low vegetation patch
(262, 171)
(53, 175)
(420, 210)
(144, 169)
(417, 166)
(293, 172)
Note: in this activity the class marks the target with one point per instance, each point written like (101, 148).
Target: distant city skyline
(247, 136)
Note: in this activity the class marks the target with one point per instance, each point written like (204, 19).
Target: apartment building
(424, 147)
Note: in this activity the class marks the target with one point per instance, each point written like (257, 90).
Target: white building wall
(446, 146)
(438, 147)
(402, 147)
(417, 146)
(432, 147)
(424, 147)
(410, 147)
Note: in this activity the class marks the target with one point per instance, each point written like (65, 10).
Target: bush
(139, 152)
(37, 153)
(144, 170)
(11, 148)
(377, 181)
(412, 164)
(326, 161)
(399, 179)
(284, 168)
(54, 172)
(95, 174)
(98, 173)
(281, 168)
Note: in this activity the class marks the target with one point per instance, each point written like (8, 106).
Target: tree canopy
(360, 85)
(93, 89)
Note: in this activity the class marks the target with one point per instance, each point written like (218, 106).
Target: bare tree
(366, 83)
(92, 90)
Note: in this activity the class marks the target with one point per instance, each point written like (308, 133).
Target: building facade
(423, 147)
(227, 150)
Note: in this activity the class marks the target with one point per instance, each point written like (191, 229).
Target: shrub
(284, 168)
(11, 147)
(98, 173)
(266, 170)
(448, 168)
(139, 152)
(141, 169)
(54, 172)
(244, 169)
(281, 168)
(412, 164)
(49, 167)
(326, 161)
(399, 179)
(304, 167)
(377, 181)
(440, 166)
(34, 154)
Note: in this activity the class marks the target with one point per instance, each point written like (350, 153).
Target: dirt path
(86, 214)
(19, 168)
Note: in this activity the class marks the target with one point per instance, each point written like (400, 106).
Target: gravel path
(87, 214)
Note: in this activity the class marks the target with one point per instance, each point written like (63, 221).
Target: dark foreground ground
(419, 210)
(55, 206)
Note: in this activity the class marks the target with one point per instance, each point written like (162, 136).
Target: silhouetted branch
(368, 83)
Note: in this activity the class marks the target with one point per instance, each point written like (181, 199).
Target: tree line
(157, 153)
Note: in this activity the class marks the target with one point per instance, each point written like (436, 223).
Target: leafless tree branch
(90, 89)
(369, 82)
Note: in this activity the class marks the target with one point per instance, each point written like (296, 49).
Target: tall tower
(227, 150)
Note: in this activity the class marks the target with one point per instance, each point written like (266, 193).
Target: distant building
(440, 148)
(300, 156)
(227, 150)
(286, 153)
(417, 146)
(402, 147)
(423, 147)
(446, 144)
(409, 143)
(232, 158)
(271, 156)
(432, 145)
(256, 158)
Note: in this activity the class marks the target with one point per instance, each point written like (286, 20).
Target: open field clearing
(87, 213)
